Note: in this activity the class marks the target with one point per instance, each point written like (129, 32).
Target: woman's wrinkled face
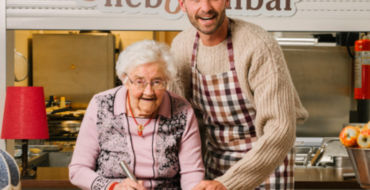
(145, 101)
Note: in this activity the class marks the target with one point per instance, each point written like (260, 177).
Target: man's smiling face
(205, 15)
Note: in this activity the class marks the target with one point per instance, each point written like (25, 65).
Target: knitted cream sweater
(266, 82)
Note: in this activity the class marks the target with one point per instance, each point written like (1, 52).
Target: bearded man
(241, 84)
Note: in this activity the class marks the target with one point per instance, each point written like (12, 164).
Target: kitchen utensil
(127, 171)
(360, 159)
(316, 159)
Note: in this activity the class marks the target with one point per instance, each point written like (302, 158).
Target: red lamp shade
(25, 114)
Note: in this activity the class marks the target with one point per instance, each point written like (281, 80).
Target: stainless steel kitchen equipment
(360, 159)
(305, 148)
(67, 130)
(304, 155)
(322, 77)
(320, 152)
(329, 150)
(75, 66)
(63, 131)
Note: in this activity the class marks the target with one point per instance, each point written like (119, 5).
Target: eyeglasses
(156, 84)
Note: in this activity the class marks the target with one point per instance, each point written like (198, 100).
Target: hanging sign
(166, 15)
(170, 9)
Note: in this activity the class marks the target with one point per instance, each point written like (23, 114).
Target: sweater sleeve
(190, 154)
(175, 84)
(274, 101)
(180, 84)
(82, 167)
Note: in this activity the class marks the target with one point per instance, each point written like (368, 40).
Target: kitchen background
(79, 64)
(321, 69)
(74, 65)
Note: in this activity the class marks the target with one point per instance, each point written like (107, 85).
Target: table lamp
(25, 118)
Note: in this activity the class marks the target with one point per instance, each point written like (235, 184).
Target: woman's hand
(129, 184)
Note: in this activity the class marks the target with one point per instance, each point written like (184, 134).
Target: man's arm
(176, 84)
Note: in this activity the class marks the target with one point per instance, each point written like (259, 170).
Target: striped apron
(229, 122)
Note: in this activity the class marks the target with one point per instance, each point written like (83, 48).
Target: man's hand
(210, 185)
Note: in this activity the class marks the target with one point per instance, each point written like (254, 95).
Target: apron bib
(229, 122)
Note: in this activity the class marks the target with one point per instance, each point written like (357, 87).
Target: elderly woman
(154, 131)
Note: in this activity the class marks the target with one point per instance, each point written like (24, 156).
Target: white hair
(143, 52)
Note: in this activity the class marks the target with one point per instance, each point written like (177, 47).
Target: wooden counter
(305, 178)
(49, 178)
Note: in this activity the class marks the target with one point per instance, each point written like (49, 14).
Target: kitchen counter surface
(324, 178)
(305, 178)
(49, 178)
(33, 159)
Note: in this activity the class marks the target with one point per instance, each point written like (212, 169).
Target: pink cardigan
(168, 156)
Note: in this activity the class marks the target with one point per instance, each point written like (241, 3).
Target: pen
(127, 171)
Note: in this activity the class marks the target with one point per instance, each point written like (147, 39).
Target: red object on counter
(25, 114)
(362, 69)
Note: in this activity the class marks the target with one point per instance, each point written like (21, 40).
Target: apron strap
(230, 50)
(195, 49)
